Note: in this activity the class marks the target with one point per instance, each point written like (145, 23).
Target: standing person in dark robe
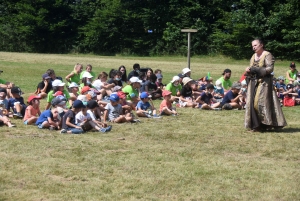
(263, 111)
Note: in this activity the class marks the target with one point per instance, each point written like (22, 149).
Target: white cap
(218, 84)
(58, 83)
(87, 75)
(73, 84)
(83, 98)
(185, 70)
(175, 78)
(135, 79)
(244, 82)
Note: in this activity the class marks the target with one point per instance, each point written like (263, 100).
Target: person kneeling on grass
(87, 120)
(68, 122)
(32, 110)
(166, 105)
(114, 112)
(205, 99)
(48, 119)
(231, 99)
(144, 108)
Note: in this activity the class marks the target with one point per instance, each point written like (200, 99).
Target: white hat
(175, 78)
(218, 84)
(73, 84)
(244, 82)
(58, 83)
(185, 70)
(186, 80)
(87, 75)
(83, 99)
(135, 79)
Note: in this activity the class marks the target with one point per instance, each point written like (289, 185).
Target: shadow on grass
(284, 130)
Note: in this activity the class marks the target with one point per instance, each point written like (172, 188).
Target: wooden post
(189, 31)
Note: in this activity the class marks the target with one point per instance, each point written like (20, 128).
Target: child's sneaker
(217, 109)
(102, 130)
(17, 115)
(63, 131)
(135, 121)
(148, 115)
(108, 128)
(11, 126)
(155, 116)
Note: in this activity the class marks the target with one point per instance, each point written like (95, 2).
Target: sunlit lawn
(199, 155)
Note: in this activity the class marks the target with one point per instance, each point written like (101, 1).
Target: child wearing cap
(186, 72)
(48, 120)
(86, 80)
(114, 112)
(88, 69)
(69, 125)
(87, 120)
(165, 107)
(44, 87)
(74, 76)
(144, 108)
(158, 82)
(126, 106)
(174, 87)
(231, 99)
(219, 91)
(58, 85)
(74, 90)
(32, 110)
(289, 96)
(186, 93)
(16, 103)
(205, 100)
(132, 90)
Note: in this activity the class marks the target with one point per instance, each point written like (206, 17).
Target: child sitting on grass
(68, 123)
(166, 105)
(205, 99)
(144, 108)
(114, 112)
(16, 103)
(87, 121)
(3, 112)
(32, 110)
(58, 85)
(48, 119)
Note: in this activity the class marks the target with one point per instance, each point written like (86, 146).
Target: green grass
(199, 155)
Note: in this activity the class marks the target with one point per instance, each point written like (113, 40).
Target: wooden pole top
(189, 30)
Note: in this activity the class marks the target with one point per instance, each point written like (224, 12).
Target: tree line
(150, 27)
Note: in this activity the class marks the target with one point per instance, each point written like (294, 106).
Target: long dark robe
(262, 104)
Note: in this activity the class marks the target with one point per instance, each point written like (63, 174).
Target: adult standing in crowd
(263, 109)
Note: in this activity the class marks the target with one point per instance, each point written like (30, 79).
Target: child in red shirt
(166, 105)
(32, 110)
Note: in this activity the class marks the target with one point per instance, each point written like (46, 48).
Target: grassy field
(199, 155)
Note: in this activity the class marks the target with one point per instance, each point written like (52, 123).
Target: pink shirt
(33, 112)
(163, 104)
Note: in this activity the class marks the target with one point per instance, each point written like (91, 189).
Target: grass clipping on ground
(198, 155)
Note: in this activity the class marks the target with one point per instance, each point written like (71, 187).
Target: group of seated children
(90, 102)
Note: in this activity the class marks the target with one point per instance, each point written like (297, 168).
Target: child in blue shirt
(48, 119)
(16, 103)
(144, 108)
